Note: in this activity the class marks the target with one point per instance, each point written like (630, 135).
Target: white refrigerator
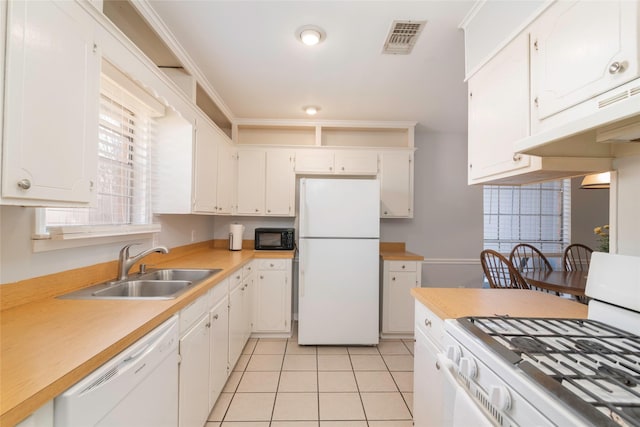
(338, 287)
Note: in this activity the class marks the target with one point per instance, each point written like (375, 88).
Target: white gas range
(511, 371)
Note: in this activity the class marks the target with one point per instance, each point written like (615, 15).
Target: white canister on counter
(235, 237)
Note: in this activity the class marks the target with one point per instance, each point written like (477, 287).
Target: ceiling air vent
(402, 36)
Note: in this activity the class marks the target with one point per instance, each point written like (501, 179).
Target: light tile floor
(277, 383)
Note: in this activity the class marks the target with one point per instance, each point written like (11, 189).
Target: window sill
(68, 238)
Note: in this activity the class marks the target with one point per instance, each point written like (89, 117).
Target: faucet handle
(124, 252)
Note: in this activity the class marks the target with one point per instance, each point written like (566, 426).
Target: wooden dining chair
(577, 257)
(500, 272)
(526, 257)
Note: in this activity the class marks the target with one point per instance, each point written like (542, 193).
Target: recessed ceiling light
(311, 110)
(311, 35)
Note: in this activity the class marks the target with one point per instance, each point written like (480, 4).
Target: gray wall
(19, 262)
(447, 224)
(589, 209)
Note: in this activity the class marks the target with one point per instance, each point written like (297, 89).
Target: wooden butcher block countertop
(49, 344)
(395, 251)
(452, 303)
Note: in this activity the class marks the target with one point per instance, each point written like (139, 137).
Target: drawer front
(219, 292)
(235, 279)
(429, 323)
(193, 312)
(248, 269)
(402, 266)
(273, 264)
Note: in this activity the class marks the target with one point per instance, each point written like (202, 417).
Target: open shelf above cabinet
(325, 134)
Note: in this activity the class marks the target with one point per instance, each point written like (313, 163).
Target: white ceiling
(249, 53)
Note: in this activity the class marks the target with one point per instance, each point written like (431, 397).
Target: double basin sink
(157, 284)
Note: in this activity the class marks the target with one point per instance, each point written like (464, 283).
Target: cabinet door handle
(616, 67)
(24, 184)
(427, 322)
(208, 325)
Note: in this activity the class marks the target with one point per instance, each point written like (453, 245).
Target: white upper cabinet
(205, 176)
(51, 111)
(226, 182)
(396, 184)
(195, 167)
(314, 161)
(499, 112)
(579, 50)
(360, 162)
(334, 161)
(251, 185)
(280, 183)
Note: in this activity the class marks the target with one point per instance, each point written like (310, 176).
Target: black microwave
(274, 239)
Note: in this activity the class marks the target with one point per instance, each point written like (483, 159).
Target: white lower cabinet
(429, 394)
(272, 298)
(219, 348)
(240, 312)
(398, 277)
(193, 406)
(43, 417)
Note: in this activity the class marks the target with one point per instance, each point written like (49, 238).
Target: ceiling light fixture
(596, 181)
(311, 110)
(310, 35)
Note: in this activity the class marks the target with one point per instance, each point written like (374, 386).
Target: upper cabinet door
(280, 183)
(226, 176)
(251, 186)
(361, 162)
(580, 49)
(396, 184)
(51, 105)
(205, 176)
(314, 160)
(499, 111)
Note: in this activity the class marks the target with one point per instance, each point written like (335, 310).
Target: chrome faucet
(125, 262)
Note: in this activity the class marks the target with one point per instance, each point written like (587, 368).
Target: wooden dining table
(566, 282)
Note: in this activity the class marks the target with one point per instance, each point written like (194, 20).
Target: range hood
(599, 127)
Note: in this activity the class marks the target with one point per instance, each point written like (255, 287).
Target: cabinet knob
(517, 157)
(403, 266)
(343, 168)
(215, 317)
(24, 184)
(271, 265)
(427, 322)
(535, 102)
(393, 278)
(261, 277)
(330, 168)
(208, 325)
(470, 165)
(386, 213)
(616, 67)
(256, 210)
(269, 210)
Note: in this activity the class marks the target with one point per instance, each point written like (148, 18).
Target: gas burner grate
(595, 362)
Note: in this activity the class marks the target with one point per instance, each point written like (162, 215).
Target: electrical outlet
(193, 235)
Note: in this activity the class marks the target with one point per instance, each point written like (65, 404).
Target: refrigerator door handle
(301, 284)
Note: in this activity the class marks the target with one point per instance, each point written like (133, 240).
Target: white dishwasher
(137, 388)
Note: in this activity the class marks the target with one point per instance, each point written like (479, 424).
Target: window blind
(539, 214)
(126, 131)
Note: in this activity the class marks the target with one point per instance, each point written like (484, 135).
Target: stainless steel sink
(192, 275)
(155, 284)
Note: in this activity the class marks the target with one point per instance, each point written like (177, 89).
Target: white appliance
(137, 388)
(551, 372)
(339, 230)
